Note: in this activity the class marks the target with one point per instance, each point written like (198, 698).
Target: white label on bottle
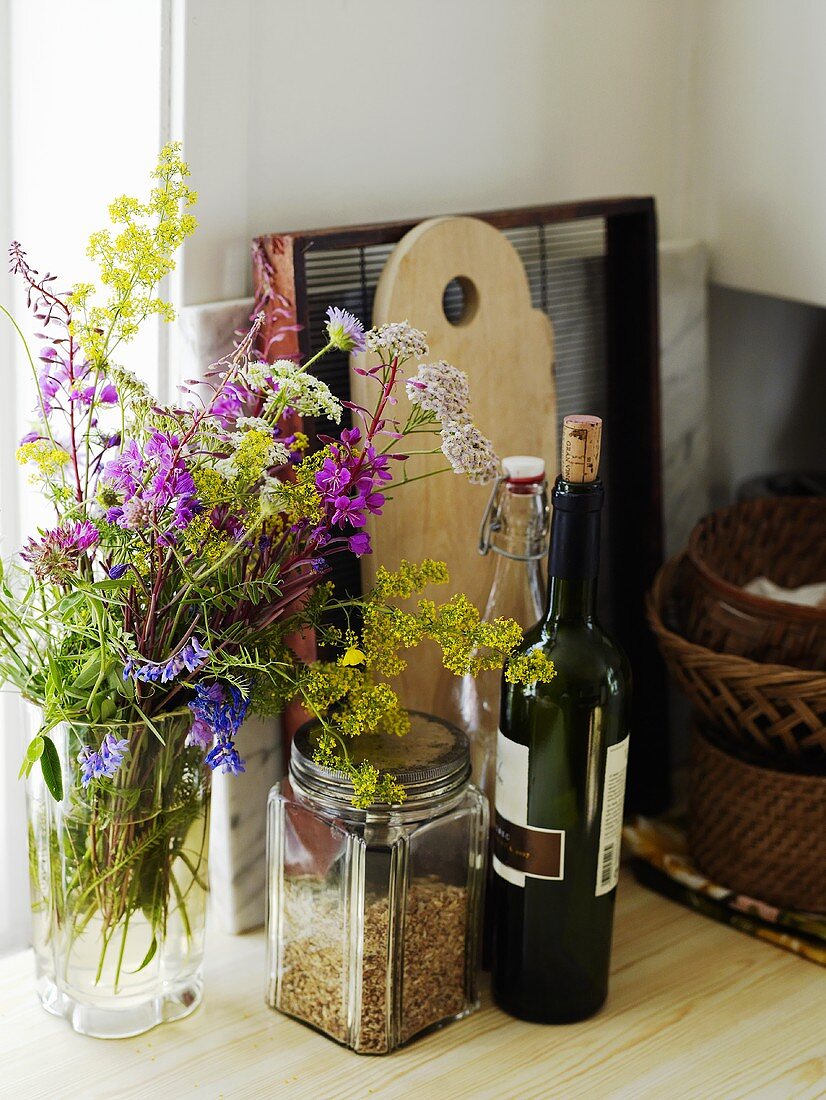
(610, 833)
(520, 850)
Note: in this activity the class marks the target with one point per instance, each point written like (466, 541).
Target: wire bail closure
(492, 522)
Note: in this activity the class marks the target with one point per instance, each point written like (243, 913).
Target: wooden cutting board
(505, 347)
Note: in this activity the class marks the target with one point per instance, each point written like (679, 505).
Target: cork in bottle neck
(581, 445)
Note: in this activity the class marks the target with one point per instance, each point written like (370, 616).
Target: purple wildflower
(360, 543)
(344, 330)
(332, 478)
(105, 762)
(190, 658)
(108, 395)
(126, 471)
(117, 571)
(151, 481)
(225, 756)
(229, 403)
(221, 711)
(200, 734)
(348, 510)
(56, 555)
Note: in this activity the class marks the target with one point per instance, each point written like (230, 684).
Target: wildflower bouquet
(190, 542)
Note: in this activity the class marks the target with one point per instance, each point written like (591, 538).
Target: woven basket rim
(788, 778)
(654, 601)
(775, 609)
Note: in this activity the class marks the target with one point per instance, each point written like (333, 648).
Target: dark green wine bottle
(561, 759)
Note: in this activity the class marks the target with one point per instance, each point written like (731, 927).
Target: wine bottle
(561, 756)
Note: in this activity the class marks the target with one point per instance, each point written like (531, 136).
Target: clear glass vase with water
(119, 883)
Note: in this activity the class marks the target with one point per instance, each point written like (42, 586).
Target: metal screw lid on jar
(431, 762)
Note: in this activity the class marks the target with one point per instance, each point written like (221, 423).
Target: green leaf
(33, 754)
(50, 765)
(108, 585)
(88, 673)
(54, 670)
(69, 602)
(35, 749)
(108, 708)
(148, 957)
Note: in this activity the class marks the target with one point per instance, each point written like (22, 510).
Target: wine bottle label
(521, 850)
(610, 833)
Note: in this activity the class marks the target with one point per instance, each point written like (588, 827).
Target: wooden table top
(695, 1010)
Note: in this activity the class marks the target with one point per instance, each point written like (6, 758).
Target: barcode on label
(607, 872)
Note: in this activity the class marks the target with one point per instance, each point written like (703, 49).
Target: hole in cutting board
(460, 300)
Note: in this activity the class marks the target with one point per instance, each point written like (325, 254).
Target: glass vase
(118, 875)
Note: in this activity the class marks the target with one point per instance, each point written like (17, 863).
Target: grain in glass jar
(374, 915)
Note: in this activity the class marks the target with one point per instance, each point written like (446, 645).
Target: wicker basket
(783, 539)
(772, 714)
(758, 832)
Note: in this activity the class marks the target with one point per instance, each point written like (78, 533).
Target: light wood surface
(696, 1010)
(506, 349)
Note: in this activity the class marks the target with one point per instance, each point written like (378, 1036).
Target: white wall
(86, 110)
(299, 114)
(761, 145)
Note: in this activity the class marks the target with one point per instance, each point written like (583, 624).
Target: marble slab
(685, 398)
(237, 858)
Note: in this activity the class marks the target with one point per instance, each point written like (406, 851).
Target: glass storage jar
(373, 920)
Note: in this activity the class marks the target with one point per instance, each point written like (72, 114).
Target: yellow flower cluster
(528, 668)
(253, 455)
(368, 785)
(351, 701)
(210, 486)
(300, 499)
(201, 538)
(134, 259)
(47, 456)
(345, 694)
(409, 579)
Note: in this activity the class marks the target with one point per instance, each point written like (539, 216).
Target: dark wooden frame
(632, 346)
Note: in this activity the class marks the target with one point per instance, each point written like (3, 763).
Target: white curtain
(52, 207)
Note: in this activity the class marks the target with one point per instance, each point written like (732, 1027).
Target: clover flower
(344, 330)
(469, 452)
(397, 340)
(190, 658)
(56, 555)
(103, 763)
(441, 389)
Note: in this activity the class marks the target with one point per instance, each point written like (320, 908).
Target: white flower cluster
(272, 495)
(250, 423)
(308, 395)
(469, 452)
(441, 389)
(131, 389)
(397, 339)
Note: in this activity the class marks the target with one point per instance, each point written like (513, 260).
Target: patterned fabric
(661, 862)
